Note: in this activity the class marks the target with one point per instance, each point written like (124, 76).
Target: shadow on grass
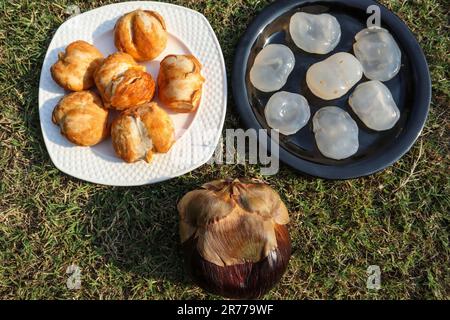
(136, 229)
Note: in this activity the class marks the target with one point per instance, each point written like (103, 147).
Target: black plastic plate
(411, 88)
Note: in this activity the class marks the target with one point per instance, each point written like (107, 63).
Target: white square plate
(197, 134)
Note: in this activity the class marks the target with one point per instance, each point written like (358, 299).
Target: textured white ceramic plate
(197, 134)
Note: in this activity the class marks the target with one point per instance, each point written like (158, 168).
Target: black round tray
(411, 88)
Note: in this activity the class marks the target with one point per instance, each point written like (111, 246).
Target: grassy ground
(125, 239)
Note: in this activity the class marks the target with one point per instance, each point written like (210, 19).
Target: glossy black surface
(411, 88)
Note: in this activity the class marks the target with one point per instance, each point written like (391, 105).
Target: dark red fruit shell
(243, 281)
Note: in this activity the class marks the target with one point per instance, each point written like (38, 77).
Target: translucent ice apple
(334, 77)
(287, 112)
(336, 133)
(272, 67)
(315, 33)
(373, 103)
(378, 53)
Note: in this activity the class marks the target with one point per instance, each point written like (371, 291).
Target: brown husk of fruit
(234, 237)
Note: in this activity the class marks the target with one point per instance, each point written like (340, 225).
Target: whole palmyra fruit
(234, 237)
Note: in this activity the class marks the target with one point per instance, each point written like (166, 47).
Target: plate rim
(110, 182)
(331, 172)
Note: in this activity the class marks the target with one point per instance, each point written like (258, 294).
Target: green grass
(126, 239)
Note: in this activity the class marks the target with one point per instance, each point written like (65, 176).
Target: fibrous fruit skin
(234, 237)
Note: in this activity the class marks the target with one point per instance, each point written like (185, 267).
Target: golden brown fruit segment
(123, 83)
(180, 83)
(75, 67)
(234, 237)
(82, 118)
(141, 34)
(139, 132)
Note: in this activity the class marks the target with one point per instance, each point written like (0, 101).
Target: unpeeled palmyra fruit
(234, 237)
